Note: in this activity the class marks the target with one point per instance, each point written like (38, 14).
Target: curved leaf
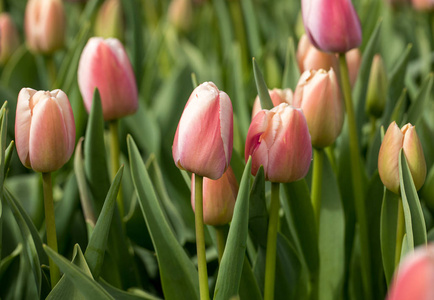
(261, 86)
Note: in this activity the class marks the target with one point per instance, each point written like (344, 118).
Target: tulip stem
(318, 158)
(115, 154)
(356, 171)
(400, 231)
(200, 238)
(270, 258)
(221, 241)
(51, 68)
(50, 225)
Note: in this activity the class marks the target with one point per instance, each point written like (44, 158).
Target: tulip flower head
(423, 5)
(44, 129)
(354, 60)
(415, 276)
(45, 25)
(204, 137)
(277, 96)
(9, 38)
(394, 140)
(331, 25)
(218, 198)
(309, 57)
(109, 21)
(279, 140)
(319, 96)
(104, 64)
(377, 88)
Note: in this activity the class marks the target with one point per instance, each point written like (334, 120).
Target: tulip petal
(414, 153)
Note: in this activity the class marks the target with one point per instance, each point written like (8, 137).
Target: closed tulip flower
(45, 25)
(331, 25)
(104, 64)
(277, 96)
(309, 57)
(279, 140)
(423, 5)
(204, 137)
(44, 129)
(218, 198)
(318, 95)
(9, 38)
(394, 140)
(354, 60)
(109, 21)
(377, 88)
(415, 276)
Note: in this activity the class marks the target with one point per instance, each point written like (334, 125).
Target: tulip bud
(218, 198)
(415, 276)
(45, 25)
(423, 5)
(109, 21)
(104, 64)
(180, 14)
(388, 158)
(204, 137)
(319, 96)
(44, 129)
(332, 26)
(277, 96)
(354, 60)
(310, 58)
(9, 39)
(279, 140)
(377, 88)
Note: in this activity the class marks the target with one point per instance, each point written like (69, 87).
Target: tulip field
(217, 149)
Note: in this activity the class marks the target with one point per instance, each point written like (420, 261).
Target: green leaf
(225, 24)
(122, 295)
(8, 260)
(98, 241)
(258, 215)
(414, 221)
(8, 156)
(252, 30)
(249, 288)
(82, 281)
(261, 86)
(389, 221)
(291, 73)
(231, 266)
(415, 112)
(177, 272)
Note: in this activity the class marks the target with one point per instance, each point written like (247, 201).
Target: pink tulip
(277, 96)
(9, 38)
(423, 5)
(394, 140)
(331, 25)
(218, 198)
(319, 96)
(279, 140)
(45, 25)
(204, 137)
(104, 64)
(310, 58)
(44, 129)
(415, 276)
(354, 60)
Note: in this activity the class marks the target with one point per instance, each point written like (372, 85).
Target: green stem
(356, 171)
(51, 68)
(115, 153)
(318, 157)
(200, 238)
(221, 241)
(50, 225)
(270, 258)
(400, 231)
(373, 129)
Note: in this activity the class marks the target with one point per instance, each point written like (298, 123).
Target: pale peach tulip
(9, 38)
(310, 58)
(277, 96)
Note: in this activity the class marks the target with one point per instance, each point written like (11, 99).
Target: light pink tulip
(319, 96)
(44, 129)
(277, 96)
(310, 58)
(415, 276)
(423, 4)
(204, 137)
(9, 38)
(45, 25)
(279, 140)
(218, 198)
(394, 140)
(354, 60)
(331, 25)
(104, 64)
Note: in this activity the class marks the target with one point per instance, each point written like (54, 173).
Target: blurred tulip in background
(109, 21)
(9, 37)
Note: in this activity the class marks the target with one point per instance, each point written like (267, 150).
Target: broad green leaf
(416, 110)
(389, 221)
(177, 272)
(261, 86)
(83, 282)
(252, 30)
(98, 241)
(123, 295)
(249, 288)
(8, 156)
(8, 260)
(225, 24)
(414, 221)
(231, 266)
(406, 247)
(258, 215)
(291, 73)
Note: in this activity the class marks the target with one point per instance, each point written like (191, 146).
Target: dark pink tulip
(331, 25)
(279, 140)
(204, 137)
(218, 198)
(415, 276)
(44, 129)
(104, 64)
